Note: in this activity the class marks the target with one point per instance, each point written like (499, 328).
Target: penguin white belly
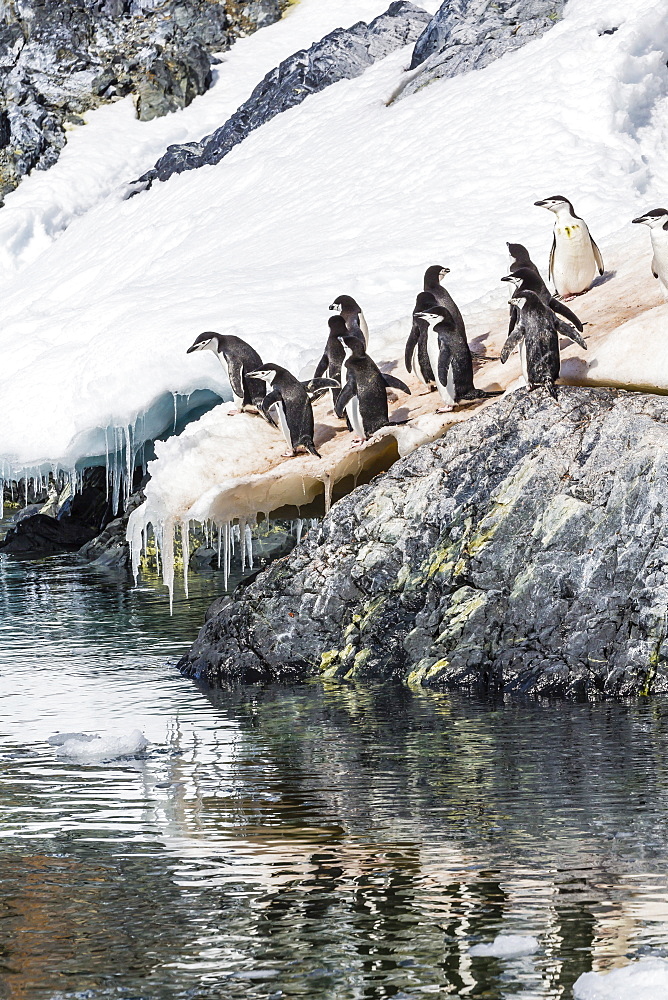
(355, 417)
(574, 265)
(447, 391)
(660, 261)
(415, 365)
(237, 401)
(523, 359)
(364, 328)
(277, 411)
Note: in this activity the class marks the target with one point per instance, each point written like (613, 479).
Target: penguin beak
(198, 346)
(641, 218)
(508, 277)
(542, 204)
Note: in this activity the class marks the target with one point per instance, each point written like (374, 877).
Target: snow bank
(94, 748)
(341, 194)
(643, 980)
(506, 946)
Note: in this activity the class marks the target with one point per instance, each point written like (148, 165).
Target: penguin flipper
(511, 343)
(268, 402)
(552, 252)
(514, 316)
(559, 307)
(411, 344)
(345, 396)
(322, 366)
(566, 330)
(396, 383)
(307, 442)
(654, 270)
(599, 260)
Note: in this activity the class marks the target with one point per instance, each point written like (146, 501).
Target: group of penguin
(437, 350)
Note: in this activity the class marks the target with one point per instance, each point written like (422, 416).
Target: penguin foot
(288, 454)
(445, 409)
(233, 413)
(357, 441)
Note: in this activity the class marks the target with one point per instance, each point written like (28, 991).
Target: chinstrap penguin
(450, 359)
(363, 397)
(237, 358)
(537, 335)
(334, 354)
(288, 402)
(575, 260)
(433, 277)
(528, 280)
(353, 316)
(416, 355)
(657, 220)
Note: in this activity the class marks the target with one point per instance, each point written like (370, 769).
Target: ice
(643, 980)
(506, 946)
(343, 194)
(94, 748)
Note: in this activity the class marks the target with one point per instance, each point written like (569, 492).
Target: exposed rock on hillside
(526, 550)
(340, 55)
(470, 34)
(60, 59)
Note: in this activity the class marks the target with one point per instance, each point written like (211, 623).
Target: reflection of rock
(340, 55)
(59, 59)
(524, 550)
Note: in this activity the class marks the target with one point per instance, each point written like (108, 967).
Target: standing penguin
(416, 355)
(353, 316)
(574, 259)
(450, 359)
(537, 335)
(657, 220)
(237, 358)
(519, 257)
(334, 354)
(528, 280)
(289, 404)
(432, 283)
(363, 397)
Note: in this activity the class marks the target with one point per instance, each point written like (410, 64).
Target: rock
(340, 55)
(532, 557)
(469, 34)
(59, 59)
(37, 535)
(109, 549)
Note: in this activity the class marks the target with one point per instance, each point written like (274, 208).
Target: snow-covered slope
(101, 297)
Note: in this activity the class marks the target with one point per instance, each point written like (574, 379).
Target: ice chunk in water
(506, 946)
(643, 980)
(61, 738)
(98, 748)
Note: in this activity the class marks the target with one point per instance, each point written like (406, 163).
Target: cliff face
(59, 59)
(526, 551)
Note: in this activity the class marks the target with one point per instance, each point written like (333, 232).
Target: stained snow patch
(644, 980)
(83, 747)
(506, 946)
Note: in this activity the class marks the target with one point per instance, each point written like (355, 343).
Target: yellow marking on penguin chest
(569, 231)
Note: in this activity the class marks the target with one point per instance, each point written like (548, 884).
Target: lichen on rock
(525, 551)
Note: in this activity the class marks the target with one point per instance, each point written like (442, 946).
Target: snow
(643, 980)
(506, 946)
(343, 194)
(85, 748)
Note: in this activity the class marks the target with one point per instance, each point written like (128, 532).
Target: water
(324, 843)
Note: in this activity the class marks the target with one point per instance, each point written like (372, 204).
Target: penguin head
(557, 203)
(515, 276)
(353, 346)
(655, 219)
(437, 315)
(525, 276)
(345, 304)
(524, 298)
(266, 374)
(434, 275)
(518, 253)
(208, 341)
(337, 325)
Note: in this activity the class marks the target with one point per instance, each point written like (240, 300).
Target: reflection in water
(322, 842)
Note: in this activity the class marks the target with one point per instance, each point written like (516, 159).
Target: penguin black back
(432, 283)
(364, 396)
(289, 404)
(352, 315)
(238, 359)
(538, 329)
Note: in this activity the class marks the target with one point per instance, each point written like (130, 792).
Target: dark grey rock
(109, 549)
(59, 58)
(525, 551)
(469, 34)
(341, 55)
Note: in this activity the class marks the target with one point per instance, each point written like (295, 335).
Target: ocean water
(321, 842)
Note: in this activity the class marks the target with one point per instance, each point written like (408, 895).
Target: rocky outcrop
(526, 551)
(59, 59)
(470, 34)
(343, 54)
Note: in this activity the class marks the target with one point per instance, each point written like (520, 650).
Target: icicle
(248, 541)
(167, 551)
(185, 548)
(220, 540)
(299, 524)
(2, 498)
(329, 486)
(228, 552)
